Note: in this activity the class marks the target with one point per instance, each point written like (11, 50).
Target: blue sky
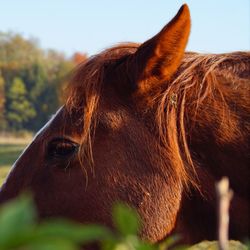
(90, 26)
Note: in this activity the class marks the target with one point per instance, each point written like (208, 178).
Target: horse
(149, 125)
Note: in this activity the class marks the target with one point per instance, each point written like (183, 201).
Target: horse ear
(157, 59)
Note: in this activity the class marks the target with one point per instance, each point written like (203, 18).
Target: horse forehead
(114, 119)
(60, 124)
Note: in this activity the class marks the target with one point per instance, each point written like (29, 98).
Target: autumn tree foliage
(78, 58)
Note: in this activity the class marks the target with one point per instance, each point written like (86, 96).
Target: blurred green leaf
(17, 220)
(125, 219)
(51, 244)
(145, 246)
(71, 231)
(169, 242)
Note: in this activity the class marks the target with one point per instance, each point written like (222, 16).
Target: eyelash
(61, 148)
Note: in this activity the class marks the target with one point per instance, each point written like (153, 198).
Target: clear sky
(92, 25)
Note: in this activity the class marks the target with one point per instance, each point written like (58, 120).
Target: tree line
(31, 82)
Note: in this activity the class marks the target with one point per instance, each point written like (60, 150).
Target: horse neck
(219, 139)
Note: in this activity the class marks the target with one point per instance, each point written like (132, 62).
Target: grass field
(10, 149)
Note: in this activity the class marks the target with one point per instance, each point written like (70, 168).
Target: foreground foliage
(19, 229)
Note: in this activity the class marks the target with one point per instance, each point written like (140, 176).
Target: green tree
(43, 74)
(20, 110)
(2, 103)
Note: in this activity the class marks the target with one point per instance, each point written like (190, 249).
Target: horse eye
(61, 147)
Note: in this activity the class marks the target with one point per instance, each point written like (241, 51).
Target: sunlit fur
(207, 89)
(206, 102)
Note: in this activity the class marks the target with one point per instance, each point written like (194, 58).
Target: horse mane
(213, 81)
(84, 90)
(207, 89)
